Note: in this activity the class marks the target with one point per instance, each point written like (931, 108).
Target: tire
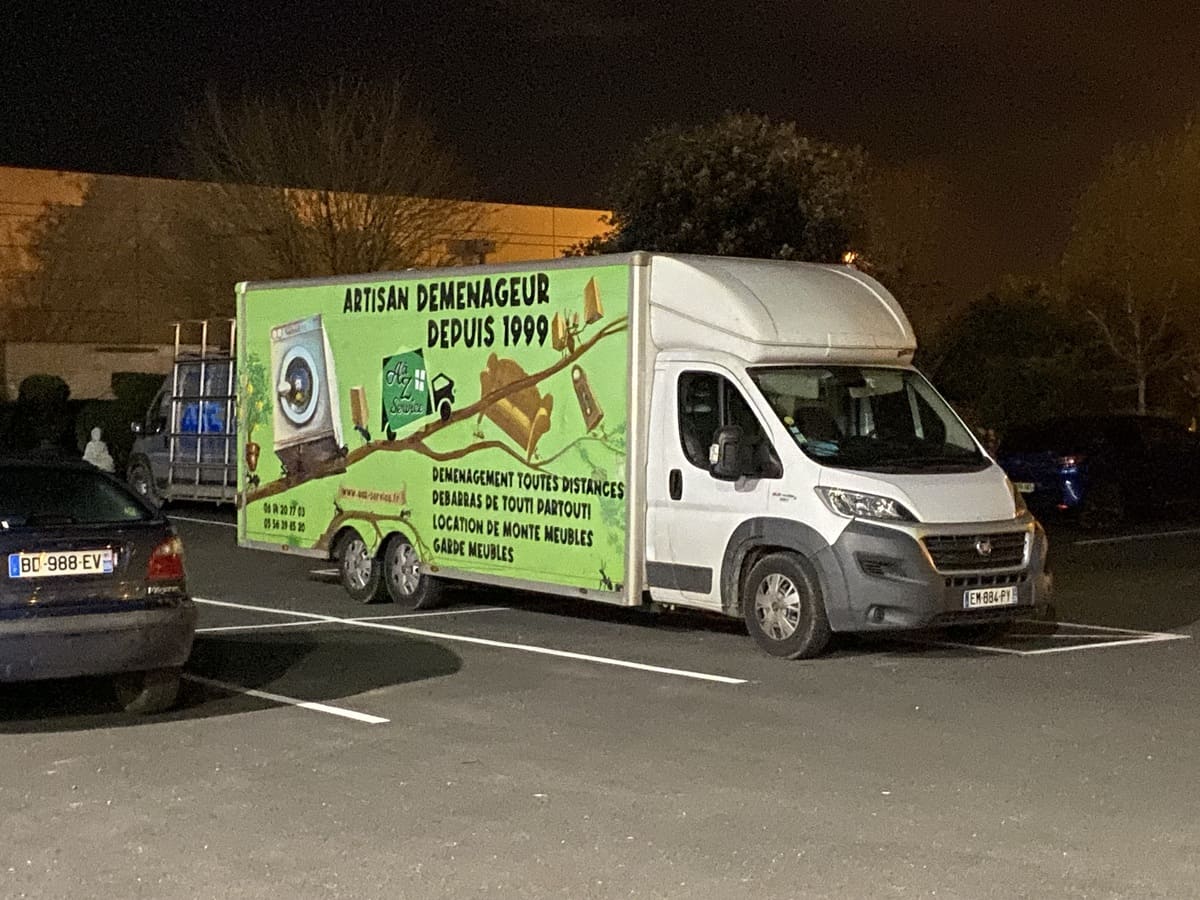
(143, 693)
(141, 479)
(360, 573)
(1103, 506)
(784, 609)
(406, 584)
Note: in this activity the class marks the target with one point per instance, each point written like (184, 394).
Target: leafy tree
(741, 186)
(1017, 356)
(1133, 258)
(343, 179)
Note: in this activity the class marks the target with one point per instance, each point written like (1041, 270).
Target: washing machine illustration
(306, 417)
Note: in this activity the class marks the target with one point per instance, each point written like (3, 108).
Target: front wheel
(359, 571)
(783, 608)
(142, 693)
(406, 584)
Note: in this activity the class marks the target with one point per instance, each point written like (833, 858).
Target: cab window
(708, 401)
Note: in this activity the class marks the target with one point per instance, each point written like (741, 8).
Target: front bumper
(109, 643)
(893, 583)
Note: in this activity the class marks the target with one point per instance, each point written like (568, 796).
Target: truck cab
(803, 474)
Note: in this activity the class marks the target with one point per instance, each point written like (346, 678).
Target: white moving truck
(742, 436)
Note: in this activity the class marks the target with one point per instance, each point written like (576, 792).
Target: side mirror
(725, 454)
(136, 427)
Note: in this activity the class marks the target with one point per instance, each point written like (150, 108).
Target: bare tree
(1142, 337)
(134, 255)
(1132, 262)
(342, 179)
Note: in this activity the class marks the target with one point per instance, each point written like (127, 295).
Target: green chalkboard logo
(405, 391)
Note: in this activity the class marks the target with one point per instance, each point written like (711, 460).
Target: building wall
(101, 286)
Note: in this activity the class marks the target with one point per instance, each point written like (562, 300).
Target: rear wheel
(141, 479)
(783, 608)
(406, 584)
(360, 572)
(142, 693)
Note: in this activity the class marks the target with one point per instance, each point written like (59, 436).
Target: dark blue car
(1102, 469)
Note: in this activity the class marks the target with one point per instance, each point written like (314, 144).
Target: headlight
(864, 506)
(1019, 507)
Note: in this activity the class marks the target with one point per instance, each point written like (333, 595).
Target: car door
(1171, 461)
(691, 514)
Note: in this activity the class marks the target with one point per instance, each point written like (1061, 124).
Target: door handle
(675, 484)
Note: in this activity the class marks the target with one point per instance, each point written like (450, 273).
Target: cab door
(691, 514)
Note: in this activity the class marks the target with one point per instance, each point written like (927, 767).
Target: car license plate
(997, 596)
(55, 563)
(1025, 487)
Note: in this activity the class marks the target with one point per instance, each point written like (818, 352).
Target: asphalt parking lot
(516, 746)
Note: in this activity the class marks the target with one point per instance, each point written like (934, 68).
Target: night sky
(1015, 102)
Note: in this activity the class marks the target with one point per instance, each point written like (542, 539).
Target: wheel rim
(405, 572)
(357, 564)
(777, 606)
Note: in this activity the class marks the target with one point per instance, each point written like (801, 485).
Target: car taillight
(166, 562)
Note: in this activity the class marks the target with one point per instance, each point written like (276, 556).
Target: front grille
(970, 581)
(961, 552)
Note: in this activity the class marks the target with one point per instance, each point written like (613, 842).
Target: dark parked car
(1104, 468)
(94, 583)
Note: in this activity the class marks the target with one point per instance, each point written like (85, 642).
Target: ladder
(202, 436)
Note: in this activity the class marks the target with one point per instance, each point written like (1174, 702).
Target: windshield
(878, 419)
(32, 496)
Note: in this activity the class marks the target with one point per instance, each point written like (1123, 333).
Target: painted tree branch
(348, 515)
(418, 438)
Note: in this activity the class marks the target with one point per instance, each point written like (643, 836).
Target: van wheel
(360, 572)
(406, 584)
(141, 479)
(142, 693)
(783, 608)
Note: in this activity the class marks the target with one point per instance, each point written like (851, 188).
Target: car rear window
(32, 496)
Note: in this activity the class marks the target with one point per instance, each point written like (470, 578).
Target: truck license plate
(997, 596)
(50, 564)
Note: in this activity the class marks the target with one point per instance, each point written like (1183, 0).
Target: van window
(708, 401)
(869, 418)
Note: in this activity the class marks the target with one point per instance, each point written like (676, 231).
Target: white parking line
(485, 642)
(431, 615)
(1149, 639)
(1107, 628)
(288, 701)
(1108, 638)
(1149, 536)
(216, 522)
